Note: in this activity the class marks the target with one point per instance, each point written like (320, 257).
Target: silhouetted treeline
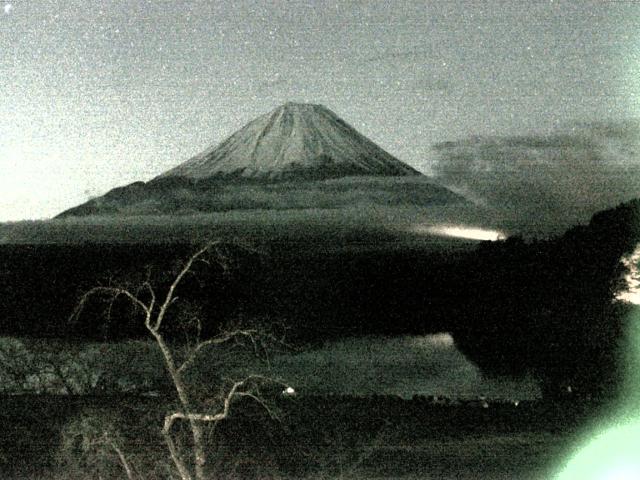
(41, 286)
(546, 306)
(328, 295)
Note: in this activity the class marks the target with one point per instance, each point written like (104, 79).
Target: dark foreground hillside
(314, 437)
(543, 308)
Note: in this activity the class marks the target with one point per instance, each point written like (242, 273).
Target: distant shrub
(59, 367)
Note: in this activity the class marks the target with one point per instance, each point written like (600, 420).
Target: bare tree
(179, 358)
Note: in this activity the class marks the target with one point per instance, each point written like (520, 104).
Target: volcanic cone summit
(299, 157)
(296, 140)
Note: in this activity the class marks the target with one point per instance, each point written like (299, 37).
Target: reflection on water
(404, 366)
(471, 233)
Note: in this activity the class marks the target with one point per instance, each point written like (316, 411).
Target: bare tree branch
(112, 293)
(153, 320)
(234, 392)
(218, 340)
(187, 267)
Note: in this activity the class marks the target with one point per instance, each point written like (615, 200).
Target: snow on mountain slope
(293, 140)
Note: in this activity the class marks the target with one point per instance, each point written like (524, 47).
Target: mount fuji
(297, 157)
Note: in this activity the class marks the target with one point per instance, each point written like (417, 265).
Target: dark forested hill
(548, 306)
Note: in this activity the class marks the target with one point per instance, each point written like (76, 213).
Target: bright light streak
(438, 340)
(471, 233)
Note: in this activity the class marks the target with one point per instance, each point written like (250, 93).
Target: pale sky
(101, 93)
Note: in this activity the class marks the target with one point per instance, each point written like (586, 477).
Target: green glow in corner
(613, 452)
(611, 455)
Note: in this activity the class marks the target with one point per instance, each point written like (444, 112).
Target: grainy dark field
(315, 437)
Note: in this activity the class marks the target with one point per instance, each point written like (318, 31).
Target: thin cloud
(544, 183)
